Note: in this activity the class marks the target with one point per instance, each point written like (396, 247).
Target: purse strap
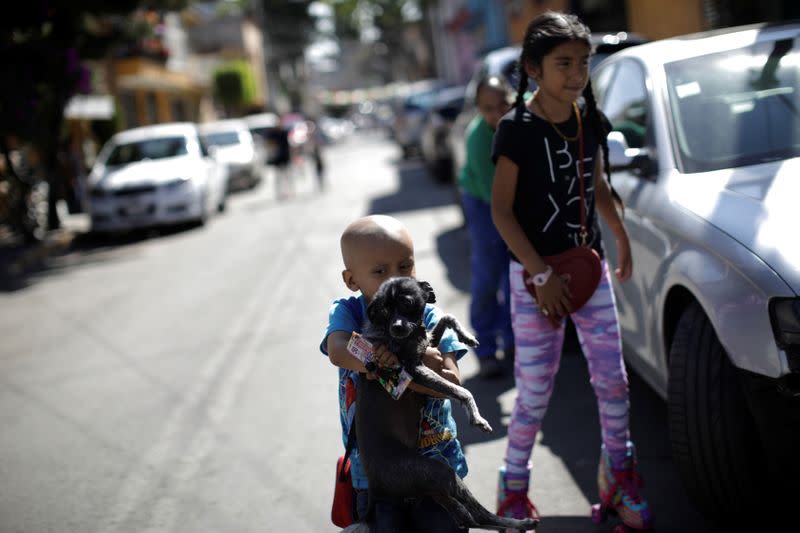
(584, 232)
(351, 443)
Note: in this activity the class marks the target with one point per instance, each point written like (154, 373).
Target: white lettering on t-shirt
(552, 218)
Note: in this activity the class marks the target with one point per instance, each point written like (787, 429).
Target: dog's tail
(359, 527)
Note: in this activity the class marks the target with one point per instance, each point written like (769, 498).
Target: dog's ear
(375, 309)
(430, 297)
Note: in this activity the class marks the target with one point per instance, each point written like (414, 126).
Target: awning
(90, 107)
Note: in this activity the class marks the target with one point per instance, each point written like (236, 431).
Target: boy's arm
(339, 355)
(447, 367)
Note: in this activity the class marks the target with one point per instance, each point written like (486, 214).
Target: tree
(41, 48)
(235, 86)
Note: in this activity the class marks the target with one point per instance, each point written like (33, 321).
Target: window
(738, 107)
(178, 110)
(600, 81)
(152, 108)
(625, 103)
(127, 102)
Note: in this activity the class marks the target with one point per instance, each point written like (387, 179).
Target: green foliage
(235, 85)
(41, 47)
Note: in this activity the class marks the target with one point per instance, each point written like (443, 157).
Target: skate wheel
(598, 514)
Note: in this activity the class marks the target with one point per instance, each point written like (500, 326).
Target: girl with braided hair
(549, 187)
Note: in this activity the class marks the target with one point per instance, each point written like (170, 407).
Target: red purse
(580, 267)
(342, 509)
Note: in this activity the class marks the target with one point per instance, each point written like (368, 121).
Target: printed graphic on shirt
(565, 167)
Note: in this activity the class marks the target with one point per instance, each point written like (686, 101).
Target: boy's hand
(384, 357)
(433, 359)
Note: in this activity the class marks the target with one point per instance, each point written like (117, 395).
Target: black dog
(387, 430)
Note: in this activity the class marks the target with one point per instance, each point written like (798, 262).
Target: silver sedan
(704, 153)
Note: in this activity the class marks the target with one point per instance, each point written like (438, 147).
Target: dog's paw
(469, 340)
(481, 423)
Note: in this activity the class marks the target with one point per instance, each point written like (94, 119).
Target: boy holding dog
(374, 249)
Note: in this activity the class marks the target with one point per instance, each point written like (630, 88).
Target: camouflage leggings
(538, 353)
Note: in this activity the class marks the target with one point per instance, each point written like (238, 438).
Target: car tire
(714, 439)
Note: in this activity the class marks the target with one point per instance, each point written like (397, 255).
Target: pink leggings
(538, 353)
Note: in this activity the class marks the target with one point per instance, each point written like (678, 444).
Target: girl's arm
(553, 295)
(607, 209)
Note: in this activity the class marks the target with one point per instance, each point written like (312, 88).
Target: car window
(160, 148)
(738, 107)
(600, 81)
(221, 138)
(625, 102)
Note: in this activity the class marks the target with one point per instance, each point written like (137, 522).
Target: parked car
(266, 127)
(411, 108)
(503, 62)
(235, 148)
(154, 175)
(705, 154)
(436, 128)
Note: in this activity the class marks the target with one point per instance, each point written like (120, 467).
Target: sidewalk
(18, 257)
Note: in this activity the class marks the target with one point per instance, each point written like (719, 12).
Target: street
(172, 381)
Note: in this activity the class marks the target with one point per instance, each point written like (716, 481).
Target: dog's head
(398, 307)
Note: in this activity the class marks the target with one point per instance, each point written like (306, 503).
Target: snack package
(394, 380)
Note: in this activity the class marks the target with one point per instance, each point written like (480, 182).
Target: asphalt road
(171, 381)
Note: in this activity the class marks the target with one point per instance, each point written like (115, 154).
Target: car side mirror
(622, 157)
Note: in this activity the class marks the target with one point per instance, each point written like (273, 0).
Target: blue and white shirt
(438, 435)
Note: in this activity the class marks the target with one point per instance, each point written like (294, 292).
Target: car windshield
(123, 154)
(221, 138)
(738, 107)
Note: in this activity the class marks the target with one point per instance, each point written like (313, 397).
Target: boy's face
(377, 260)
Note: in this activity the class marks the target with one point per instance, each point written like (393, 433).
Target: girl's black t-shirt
(547, 200)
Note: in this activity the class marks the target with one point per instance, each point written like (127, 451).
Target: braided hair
(543, 35)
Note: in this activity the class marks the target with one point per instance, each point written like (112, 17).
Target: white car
(235, 148)
(155, 175)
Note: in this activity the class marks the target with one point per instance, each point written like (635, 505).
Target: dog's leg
(485, 519)
(449, 321)
(426, 377)
(460, 514)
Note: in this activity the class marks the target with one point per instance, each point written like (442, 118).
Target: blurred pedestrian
(280, 159)
(489, 311)
(544, 151)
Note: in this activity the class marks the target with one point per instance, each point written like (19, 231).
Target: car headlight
(176, 184)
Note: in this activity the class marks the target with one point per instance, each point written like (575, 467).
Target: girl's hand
(554, 297)
(433, 359)
(625, 267)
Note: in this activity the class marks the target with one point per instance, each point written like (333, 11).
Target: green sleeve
(478, 171)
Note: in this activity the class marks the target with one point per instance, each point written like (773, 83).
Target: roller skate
(619, 495)
(512, 497)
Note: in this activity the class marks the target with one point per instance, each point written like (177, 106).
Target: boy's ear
(430, 297)
(350, 281)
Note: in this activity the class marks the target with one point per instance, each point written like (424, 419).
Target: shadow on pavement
(571, 431)
(453, 249)
(22, 265)
(418, 190)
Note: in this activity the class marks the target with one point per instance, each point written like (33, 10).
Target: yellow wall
(656, 19)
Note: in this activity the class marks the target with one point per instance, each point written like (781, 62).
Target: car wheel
(714, 440)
